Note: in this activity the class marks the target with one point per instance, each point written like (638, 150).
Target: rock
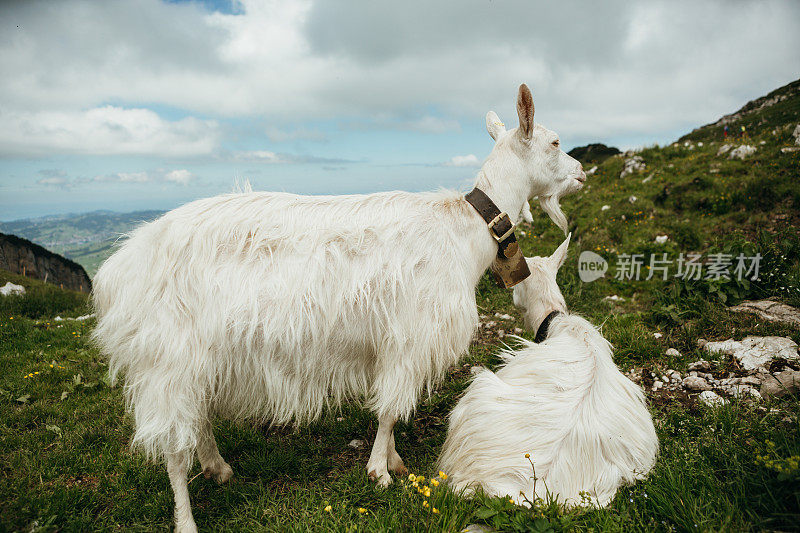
(632, 199)
(657, 385)
(634, 164)
(661, 239)
(702, 364)
(754, 352)
(743, 391)
(501, 333)
(742, 152)
(711, 398)
(672, 352)
(790, 149)
(701, 343)
(356, 443)
(770, 310)
(614, 298)
(518, 331)
(648, 178)
(504, 316)
(657, 335)
(591, 170)
(696, 383)
(605, 208)
(786, 382)
(724, 149)
(12, 289)
(796, 134)
(477, 528)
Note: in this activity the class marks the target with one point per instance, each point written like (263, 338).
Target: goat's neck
(507, 187)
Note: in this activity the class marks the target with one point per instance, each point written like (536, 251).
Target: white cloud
(106, 130)
(132, 177)
(463, 161)
(596, 70)
(54, 181)
(181, 176)
(258, 156)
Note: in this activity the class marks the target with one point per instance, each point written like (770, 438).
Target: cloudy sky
(134, 104)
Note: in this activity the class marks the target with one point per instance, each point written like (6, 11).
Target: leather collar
(499, 223)
(510, 267)
(541, 333)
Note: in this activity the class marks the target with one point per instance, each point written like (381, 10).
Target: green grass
(64, 456)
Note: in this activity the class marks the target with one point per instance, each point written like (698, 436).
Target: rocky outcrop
(21, 256)
(593, 153)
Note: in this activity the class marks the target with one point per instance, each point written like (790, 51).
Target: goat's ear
(560, 255)
(494, 125)
(525, 111)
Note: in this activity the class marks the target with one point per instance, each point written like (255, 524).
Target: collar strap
(541, 333)
(499, 223)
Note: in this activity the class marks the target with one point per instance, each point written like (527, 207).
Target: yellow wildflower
(435, 510)
(442, 475)
(412, 477)
(425, 503)
(435, 482)
(420, 478)
(527, 456)
(427, 492)
(328, 508)
(362, 510)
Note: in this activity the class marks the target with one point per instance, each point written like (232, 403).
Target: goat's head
(535, 152)
(539, 294)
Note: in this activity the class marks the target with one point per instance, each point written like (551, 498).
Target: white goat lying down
(563, 401)
(271, 305)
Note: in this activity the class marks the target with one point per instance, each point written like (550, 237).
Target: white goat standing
(563, 401)
(271, 306)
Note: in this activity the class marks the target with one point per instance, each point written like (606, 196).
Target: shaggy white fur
(563, 401)
(271, 306)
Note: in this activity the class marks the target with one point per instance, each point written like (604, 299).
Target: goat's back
(564, 402)
(270, 305)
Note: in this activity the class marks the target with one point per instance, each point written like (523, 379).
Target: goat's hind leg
(211, 461)
(177, 469)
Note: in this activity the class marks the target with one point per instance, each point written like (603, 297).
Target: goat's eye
(556, 143)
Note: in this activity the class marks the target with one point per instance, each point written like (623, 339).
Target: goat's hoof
(401, 470)
(221, 473)
(383, 480)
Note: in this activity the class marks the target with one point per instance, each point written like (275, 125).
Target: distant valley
(85, 238)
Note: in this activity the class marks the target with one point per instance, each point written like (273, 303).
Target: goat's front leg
(379, 457)
(395, 462)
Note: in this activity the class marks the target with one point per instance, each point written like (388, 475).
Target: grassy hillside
(775, 110)
(63, 432)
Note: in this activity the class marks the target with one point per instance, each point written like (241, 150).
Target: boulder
(711, 398)
(742, 152)
(633, 165)
(755, 352)
(10, 289)
(695, 383)
(770, 310)
(786, 382)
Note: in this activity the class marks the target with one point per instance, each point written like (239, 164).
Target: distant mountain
(777, 109)
(86, 238)
(21, 256)
(593, 153)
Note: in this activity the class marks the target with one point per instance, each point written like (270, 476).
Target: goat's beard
(551, 206)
